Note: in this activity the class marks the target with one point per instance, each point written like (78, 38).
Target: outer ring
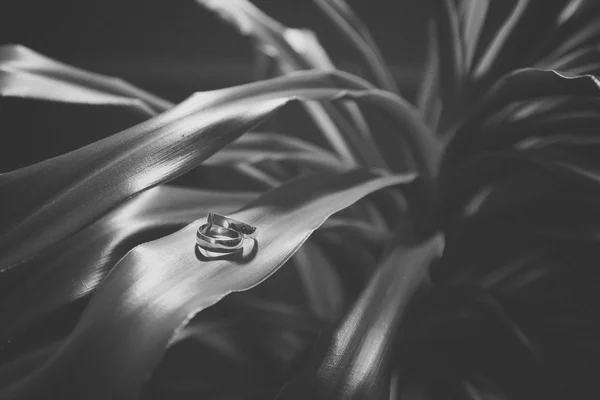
(230, 223)
(214, 237)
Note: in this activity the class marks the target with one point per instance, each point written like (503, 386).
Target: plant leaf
(28, 64)
(474, 13)
(61, 95)
(154, 290)
(450, 54)
(74, 189)
(321, 282)
(529, 18)
(521, 85)
(356, 360)
(359, 36)
(76, 266)
(256, 147)
(25, 85)
(428, 98)
(299, 50)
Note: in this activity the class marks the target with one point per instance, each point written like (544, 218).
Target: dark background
(175, 47)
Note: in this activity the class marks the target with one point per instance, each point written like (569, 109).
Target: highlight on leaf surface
(161, 149)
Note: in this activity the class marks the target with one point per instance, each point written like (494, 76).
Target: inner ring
(230, 223)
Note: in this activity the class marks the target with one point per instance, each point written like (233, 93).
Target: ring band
(218, 238)
(230, 223)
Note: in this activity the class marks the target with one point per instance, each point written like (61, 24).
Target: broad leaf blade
(154, 291)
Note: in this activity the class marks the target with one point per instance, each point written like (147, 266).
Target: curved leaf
(474, 13)
(25, 85)
(154, 290)
(25, 63)
(255, 147)
(76, 266)
(299, 50)
(357, 358)
(74, 189)
(529, 18)
(450, 52)
(59, 95)
(521, 85)
(428, 97)
(359, 36)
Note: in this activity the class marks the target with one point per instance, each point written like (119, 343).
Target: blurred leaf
(576, 29)
(71, 108)
(76, 266)
(76, 188)
(20, 62)
(450, 56)
(355, 361)
(20, 84)
(360, 38)
(529, 19)
(255, 147)
(243, 346)
(321, 282)
(474, 13)
(520, 85)
(154, 290)
(428, 97)
(295, 50)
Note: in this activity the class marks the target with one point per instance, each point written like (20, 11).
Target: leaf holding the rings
(76, 266)
(59, 196)
(156, 288)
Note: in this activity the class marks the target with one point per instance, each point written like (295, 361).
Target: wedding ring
(218, 238)
(230, 223)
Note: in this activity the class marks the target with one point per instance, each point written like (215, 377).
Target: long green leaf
(154, 290)
(74, 189)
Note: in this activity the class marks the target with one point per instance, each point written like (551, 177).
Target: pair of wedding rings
(222, 234)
